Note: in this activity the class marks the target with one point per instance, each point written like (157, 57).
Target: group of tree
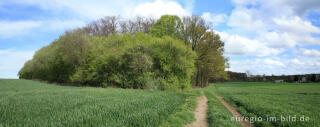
(295, 78)
(168, 54)
(248, 77)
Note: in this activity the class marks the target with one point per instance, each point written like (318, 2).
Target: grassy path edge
(218, 114)
(200, 112)
(184, 114)
(235, 113)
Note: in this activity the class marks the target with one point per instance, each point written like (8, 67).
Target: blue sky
(264, 37)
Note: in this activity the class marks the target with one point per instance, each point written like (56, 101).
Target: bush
(127, 61)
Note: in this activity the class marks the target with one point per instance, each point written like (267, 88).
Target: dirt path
(200, 113)
(235, 113)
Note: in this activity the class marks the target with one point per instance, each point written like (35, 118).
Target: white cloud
(246, 19)
(276, 65)
(296, 25)
(159, 8)
(13, 29)
(287, 40)
(96, 9)
(278, 40)
(10, 29)
(11, 61)
(236, 45)
(257, 28)
(293, 6)
(259, 66)
(264, 29)
(75, 13)
(82, 9)
(297, 61)
(80, 12)
(273, 62)
(189, 5)
(274, 22)
(308, 52)
(242, 2)
(302, 7)
(215, 19)
(63, 24)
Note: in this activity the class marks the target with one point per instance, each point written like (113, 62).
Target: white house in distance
(303, 79)
(279, 81)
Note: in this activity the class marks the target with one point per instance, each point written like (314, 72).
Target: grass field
(218, 115)
(30, 103)
(274, 100)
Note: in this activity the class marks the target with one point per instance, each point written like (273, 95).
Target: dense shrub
(59, 60)
(139, 53)
(127, 61)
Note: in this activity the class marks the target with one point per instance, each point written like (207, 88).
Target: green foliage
(175, 54)
(137, 62)
(127, 61)
(168, 25)
(59, 60)
(256, 99)
(30, 103)
(210, 62)
(196, 33)
(174, 63)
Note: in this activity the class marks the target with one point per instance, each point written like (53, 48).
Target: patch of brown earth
(200, 113)
(236, 114)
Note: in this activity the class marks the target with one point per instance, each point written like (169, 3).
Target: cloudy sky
(262, 36)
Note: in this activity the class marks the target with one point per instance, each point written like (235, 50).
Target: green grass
(218, 115)
(185, 112)
(30, 103)
(268, 100)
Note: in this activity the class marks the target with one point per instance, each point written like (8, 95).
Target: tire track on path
(200, 113)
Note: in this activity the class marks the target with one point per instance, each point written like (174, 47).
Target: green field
(273, 100)
(31, 103)
(218, 115)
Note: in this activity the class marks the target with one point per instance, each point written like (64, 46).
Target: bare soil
(200, 113)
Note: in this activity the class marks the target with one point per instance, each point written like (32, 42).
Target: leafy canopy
(168, 54)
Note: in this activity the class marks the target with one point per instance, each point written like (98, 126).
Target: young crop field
(31, 103)
(274, 104)
(218, 115)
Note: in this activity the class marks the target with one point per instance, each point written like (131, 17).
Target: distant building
(264, 79)
(303, 79)
(278, 81)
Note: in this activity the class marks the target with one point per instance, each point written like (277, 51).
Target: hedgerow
(126, 61)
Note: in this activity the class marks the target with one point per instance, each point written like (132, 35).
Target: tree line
(170, 53)
(247, 77)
